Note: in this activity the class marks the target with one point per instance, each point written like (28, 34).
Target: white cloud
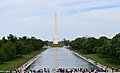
(20, 16)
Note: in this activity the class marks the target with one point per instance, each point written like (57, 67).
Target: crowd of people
(63, 70)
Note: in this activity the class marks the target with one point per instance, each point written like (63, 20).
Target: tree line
(103, 45)
(13, 47)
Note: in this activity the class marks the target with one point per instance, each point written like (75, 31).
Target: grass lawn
(110, 62)
(56, 45)
(104, 60)
(11, 65)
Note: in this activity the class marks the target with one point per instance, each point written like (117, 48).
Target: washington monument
(55, 41)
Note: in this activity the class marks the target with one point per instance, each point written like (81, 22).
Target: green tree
(3, 56)
(115, 46)
(12, 38)
(9, 49)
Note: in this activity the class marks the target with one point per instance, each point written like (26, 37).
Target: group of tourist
(63, 70)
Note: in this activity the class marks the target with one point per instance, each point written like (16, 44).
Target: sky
(76, 18)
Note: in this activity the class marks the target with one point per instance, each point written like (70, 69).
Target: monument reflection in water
(60, 57)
